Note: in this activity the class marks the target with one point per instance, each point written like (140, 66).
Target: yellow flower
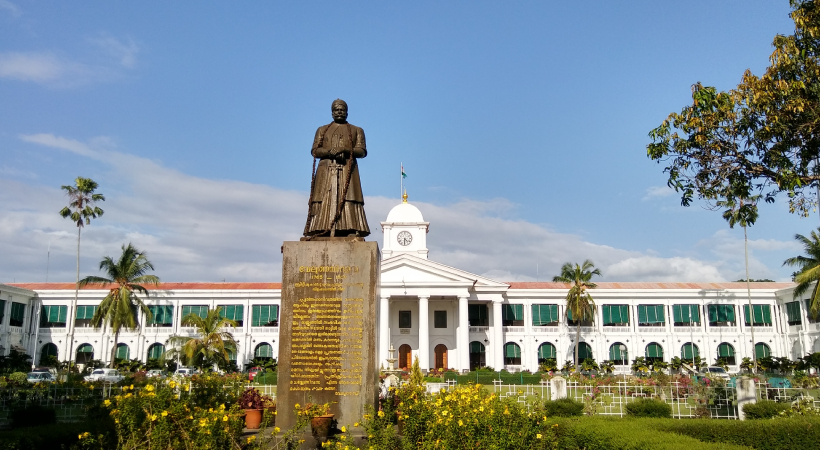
(381, 413)
(187, 386)
(131, 387)
(344, 430)
(79, 436)
(107, 402)
(356, 424)
(538, 436)
(153, 417)
(224, 418)
(251, 438)
(276, 429)
(149, 388)
(296, 406)
(164, 413)
(460, 423)
(172, 384)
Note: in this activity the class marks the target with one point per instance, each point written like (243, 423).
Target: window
(265, 315)
(161, 315)
(48, 350)
(2, 311)
(155, 351)
(584, 352)
(586, 321)
(478, 315)
(689, 351)
(651, 315)
(512, 353)
(762, 315)
(654, 352)
(727, 353)
(477, 355)
(721, 315)
(263, 350)
(544, 315)
(123, 352)
(619, 354)
(616, 315)
(546, 351)
(51, 316)
(232, 312)
(18, 312)
(793, 313)
(762, 350)
(82, 318)
(199, 310)
(85, 353)
(512, 315)
(686, 315)
(440, 319)
(404, 319)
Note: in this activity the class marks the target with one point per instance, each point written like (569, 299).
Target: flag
(403, 175)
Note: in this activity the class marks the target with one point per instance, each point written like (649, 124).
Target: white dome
(404, 213)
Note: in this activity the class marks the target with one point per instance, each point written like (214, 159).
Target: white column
(384, 329)
(463, 335)
(497, 341)
(424, 333)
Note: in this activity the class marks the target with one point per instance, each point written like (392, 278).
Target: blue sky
(522, 128)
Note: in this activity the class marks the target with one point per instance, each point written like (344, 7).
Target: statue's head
(339, 110)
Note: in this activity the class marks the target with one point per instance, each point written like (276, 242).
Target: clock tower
(405, 231)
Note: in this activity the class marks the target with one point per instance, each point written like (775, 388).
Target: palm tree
(579, 303)
(808, 270)
(126, 277)
(743, 212)
(81, 209)
(211, 345)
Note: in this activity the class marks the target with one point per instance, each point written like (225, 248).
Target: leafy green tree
(579, 302)
(211, 345)
(808, 273)
(416, 375)
(15, 362)
(82, 207)
(760, 138)
(126, 277)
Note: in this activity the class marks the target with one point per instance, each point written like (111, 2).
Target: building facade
(450, 318)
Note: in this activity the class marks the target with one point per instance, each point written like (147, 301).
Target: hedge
(764, 409)
(487, 377)
(564, 407)
(605, 433)
(773, 434)
(45, 437)
(647, 407)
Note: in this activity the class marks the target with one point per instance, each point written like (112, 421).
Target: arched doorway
(478, 355)
(155, 351)
(263, 351)
(546, 351)
(584, 352)
(48, 351)
(654, 352)
(619, 354)
(441, 356)
(85, 353)
(512, 354)
(123, 352)
(762, 350)
(405, 357)
(727, 353)
(689, 352)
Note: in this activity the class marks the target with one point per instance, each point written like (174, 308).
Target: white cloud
(125, 51)
(37, 67)
(197, 229)
(657, 192)
(11, 8)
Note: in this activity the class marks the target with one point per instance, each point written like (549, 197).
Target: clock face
(404, 238)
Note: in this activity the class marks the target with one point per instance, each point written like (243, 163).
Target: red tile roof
(162, 286)
(647, 285)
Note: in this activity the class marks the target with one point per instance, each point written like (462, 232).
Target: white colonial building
(446, 316)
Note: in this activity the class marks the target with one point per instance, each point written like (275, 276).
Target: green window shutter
(729, 312)
(476, 347)
(725, 350)
(519, 312)
(536, 315)
(624, 314)
(642, 314)
(553, 313)
(546, 351)
(695, 312)
(793, 312)
(569, 314)
(762, 350)
(654, 350)
(689, 351)
(713, 313)
(767, 314)
(156, 351)
(264, 351)
(584, 351)
(62, 314)
(512, 350)
(506, 312)
(607, 314)
(123, 352)
(615, 352)
(677, 316)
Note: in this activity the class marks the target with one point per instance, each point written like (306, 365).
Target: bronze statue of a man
(336, 201)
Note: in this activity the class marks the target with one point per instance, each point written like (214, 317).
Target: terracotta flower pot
(321, 425)
(253, 417)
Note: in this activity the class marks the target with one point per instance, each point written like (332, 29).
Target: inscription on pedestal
(327, 333)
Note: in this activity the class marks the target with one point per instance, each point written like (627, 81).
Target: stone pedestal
(558, 388)
(327, 338)
(746, 393)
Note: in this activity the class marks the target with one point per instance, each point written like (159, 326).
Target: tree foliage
(579, 302)
(808, 273)
(211, 346)
(126, 277)
(760, 138)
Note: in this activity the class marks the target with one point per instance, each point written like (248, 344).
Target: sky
(522, 127)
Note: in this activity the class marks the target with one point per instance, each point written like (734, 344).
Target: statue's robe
(330, 179)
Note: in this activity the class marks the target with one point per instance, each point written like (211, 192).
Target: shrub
(764, 409)
(18, 377)
(780, 434)
(32, 415)
(563, 407)
(48, 437)
(647, 407)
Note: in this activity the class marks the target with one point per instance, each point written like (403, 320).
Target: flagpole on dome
(403, 192)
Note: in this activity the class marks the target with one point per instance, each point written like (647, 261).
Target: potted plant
(251, 401)
(320, 418)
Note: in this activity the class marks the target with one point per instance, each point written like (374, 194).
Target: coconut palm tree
(81, 209)
(126, 278)
(212, 343)
(743, 212)
(808, 273)
(579, 303)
